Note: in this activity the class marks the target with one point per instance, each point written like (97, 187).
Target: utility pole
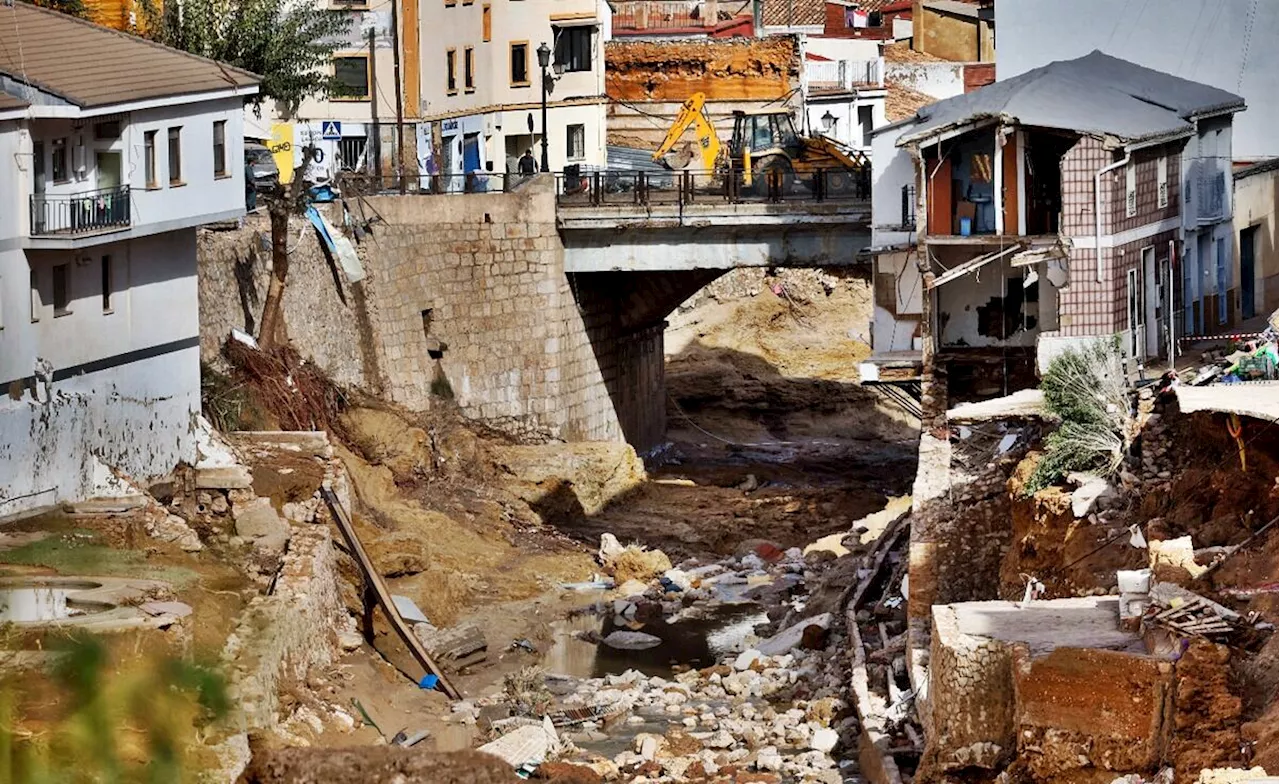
(395, 46)
(375, 138)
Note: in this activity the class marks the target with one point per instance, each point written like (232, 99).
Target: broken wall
(648, 81)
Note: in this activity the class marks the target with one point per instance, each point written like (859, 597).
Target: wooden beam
(374, 580)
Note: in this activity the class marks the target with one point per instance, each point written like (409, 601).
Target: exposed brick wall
(978, 75)
(1146, 163)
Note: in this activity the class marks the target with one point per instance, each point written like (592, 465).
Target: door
(1137, 314)
(1247, 239)
(1151, 304)
(109, 205)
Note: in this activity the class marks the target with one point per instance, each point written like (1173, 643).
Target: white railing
(845, 74)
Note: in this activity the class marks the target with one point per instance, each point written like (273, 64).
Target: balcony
(79, 214)
(844, 75)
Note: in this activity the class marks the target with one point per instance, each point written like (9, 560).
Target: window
(59, 150)
(1130, 190)
(220, 148)
(352, 76)
(486, 23)
(451, 71)
(520, 64)
(106, 284)
(35, 296)
(107, 131)
(1162, 181)
(1224, 280)
(577, 139)
(469, 69)
(61, 289)
(573, 47)
(149, 158)
(175, 156)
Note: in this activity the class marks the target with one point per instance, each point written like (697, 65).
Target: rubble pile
(768, 708)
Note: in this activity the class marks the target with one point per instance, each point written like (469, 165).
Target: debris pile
(767, 705)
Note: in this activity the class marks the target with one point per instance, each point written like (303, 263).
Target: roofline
(895, 124)
(1217, 111)
(129, 36)
(73, 111)
(1260, 167)
(1142, 143)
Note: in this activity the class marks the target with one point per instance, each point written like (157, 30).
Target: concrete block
(224, 478)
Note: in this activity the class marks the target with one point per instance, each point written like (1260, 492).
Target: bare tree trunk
(278, 210)
(286, 200)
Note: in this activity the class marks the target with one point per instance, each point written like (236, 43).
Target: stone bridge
(532, 309)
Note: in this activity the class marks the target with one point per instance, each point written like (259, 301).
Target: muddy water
(695, 641)
(41, 603)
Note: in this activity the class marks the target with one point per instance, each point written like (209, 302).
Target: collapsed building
(1085, 198)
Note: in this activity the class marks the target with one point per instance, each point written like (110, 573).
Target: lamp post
(544, 59)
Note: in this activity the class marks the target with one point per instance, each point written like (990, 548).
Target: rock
(1093, 491)
(631, 641)
(610, 548)
(632, 588)
(219, 504)
(791, 637)
(679, 578)
(720, 739)
(768, 758)
(647, 745)
(258, 519)
(824, 740)
(224, 477)
(635, 563)
(814, 638)
(349, 640)
(746, 659)
(172, 528)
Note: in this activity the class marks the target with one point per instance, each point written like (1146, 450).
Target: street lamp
(544, 59)
(828, 123)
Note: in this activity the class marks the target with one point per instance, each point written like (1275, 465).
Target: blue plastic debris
(429, 682)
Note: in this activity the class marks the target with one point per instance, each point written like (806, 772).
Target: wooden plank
(374, 580)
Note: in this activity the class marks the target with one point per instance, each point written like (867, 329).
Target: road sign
(331, 130)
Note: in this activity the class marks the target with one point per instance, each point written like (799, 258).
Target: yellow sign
(281, 146)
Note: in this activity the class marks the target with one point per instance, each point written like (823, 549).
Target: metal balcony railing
(81, 213)
(620, 187)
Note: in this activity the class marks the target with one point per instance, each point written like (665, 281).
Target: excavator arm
(693, 113)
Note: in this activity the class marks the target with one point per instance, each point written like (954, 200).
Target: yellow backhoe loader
(765, 146)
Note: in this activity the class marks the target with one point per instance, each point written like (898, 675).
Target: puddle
(37, 603)
(695, 641)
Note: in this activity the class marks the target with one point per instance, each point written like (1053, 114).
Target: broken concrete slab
(790, 638)
(531, 744)
(232, 477)
(258, 520)
(1092, 490)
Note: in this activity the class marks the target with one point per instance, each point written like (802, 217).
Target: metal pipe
(1097, 208)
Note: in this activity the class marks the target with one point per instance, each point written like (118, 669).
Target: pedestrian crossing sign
(331, 130)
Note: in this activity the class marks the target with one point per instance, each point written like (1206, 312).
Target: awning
(973, 265)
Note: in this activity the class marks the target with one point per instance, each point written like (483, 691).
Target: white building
(482, 84)
(355, 127)
(844, 89)
(105, 180)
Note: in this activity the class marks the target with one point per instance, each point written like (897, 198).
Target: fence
(80, 213)
(630, 187)
(360, 183)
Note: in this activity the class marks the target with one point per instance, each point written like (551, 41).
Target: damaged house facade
(106, 180)
(1086, 198)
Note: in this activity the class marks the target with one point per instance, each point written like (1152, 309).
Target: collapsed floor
(1095, 631)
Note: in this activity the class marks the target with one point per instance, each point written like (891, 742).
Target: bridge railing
(622, 187)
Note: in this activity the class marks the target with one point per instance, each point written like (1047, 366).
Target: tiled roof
(901, 52)
(1097, 94)
(901, 101)
(794, 13)
(90, 66)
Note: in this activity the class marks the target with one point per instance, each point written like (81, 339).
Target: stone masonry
(466, 298)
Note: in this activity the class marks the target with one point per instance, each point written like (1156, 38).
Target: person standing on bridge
(528, 166)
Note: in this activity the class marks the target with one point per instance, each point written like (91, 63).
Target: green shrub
(1087, 390)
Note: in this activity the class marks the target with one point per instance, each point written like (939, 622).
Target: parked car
(258, 159)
